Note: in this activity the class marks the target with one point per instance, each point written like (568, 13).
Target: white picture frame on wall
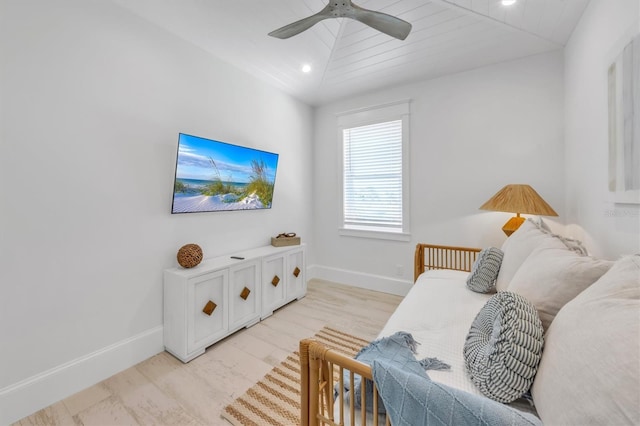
(623, 93)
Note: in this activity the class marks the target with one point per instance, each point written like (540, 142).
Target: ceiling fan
(395, 27)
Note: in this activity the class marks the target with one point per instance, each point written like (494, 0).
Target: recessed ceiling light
(306, 68)
(508, 2)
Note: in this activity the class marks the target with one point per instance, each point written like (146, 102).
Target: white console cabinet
(221, 295)
(282, 279)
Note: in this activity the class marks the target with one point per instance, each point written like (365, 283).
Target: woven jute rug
(275, 400)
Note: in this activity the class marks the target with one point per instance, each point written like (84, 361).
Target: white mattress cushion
(438, 312)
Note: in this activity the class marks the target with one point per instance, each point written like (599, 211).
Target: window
(375, 169)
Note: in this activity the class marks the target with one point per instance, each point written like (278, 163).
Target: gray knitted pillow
(504, 346)
(482, 278)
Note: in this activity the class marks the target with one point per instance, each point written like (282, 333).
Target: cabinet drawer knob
(245, 293)
(275, 281)
(296, 272)
(209, 308)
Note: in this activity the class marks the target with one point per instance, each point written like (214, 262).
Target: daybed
(588, 371)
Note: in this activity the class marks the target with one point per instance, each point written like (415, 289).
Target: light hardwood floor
(164, 391)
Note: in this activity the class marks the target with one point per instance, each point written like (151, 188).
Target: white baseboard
(360, 279)
(30, 395)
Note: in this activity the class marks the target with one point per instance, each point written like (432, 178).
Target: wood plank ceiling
(349, 58)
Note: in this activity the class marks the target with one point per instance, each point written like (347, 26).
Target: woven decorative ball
(189, 255)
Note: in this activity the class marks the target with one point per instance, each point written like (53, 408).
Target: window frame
(399, 110)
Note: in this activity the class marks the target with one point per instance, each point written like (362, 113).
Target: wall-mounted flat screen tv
(218, 176)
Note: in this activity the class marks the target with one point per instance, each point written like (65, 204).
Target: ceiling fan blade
(299, 26)
(395, 27)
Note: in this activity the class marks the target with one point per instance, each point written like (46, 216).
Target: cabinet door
(207, 309)
(273, 284)
(244, 295)
(296, 283)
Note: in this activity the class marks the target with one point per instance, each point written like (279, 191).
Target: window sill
(374, 234)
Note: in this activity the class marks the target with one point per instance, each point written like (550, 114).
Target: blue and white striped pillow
(504, 346)
(482, 278)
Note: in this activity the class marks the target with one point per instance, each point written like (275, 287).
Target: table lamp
(518, 199)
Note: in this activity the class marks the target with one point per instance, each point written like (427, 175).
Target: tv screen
(218, 176)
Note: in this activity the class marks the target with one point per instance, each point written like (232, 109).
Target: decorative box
(285, 241)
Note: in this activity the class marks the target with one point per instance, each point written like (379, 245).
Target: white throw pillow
(590, 369)
(517, 248)
(551, 276)
(520, 245)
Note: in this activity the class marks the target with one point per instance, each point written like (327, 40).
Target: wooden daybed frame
(322, 368)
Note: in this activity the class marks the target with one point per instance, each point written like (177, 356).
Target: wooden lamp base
(513, 224)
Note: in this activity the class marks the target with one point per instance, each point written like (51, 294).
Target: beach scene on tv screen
(217, 176)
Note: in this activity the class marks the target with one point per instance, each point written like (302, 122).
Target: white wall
(92, 100)
(610, 229)
(471, 134)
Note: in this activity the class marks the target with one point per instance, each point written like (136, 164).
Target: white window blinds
(373, 176)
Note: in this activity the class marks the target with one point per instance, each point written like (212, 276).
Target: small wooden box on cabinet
(285, 241)
(222, 295)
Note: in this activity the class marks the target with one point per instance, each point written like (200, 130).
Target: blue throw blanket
(398, 350)
(414, 399)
